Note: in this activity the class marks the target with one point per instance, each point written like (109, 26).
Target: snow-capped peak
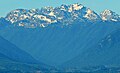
(91, 15)
(65, 14)
(77, 6)
(108, 15)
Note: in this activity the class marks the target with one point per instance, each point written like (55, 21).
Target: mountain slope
(50, 44)
(106, 52)
(13, 59)
(4, 23)
(9, 66)
(14, 53)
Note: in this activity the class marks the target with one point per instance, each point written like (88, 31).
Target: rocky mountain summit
(65, 15)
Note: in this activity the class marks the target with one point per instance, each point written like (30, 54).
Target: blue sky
(96, 5)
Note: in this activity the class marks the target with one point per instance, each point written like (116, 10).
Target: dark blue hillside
(105, 52)
(12, 52)
(3, 56)
(4, 22)
(15, 60)
(55, 45)
(8, 65)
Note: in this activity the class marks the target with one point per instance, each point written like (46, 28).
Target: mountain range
(65, 15)
(69, 36)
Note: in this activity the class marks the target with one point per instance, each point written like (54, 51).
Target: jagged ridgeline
(68, 37)
(65, 14)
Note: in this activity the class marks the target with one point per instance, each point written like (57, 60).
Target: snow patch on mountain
(90, 15)
(108, 15)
